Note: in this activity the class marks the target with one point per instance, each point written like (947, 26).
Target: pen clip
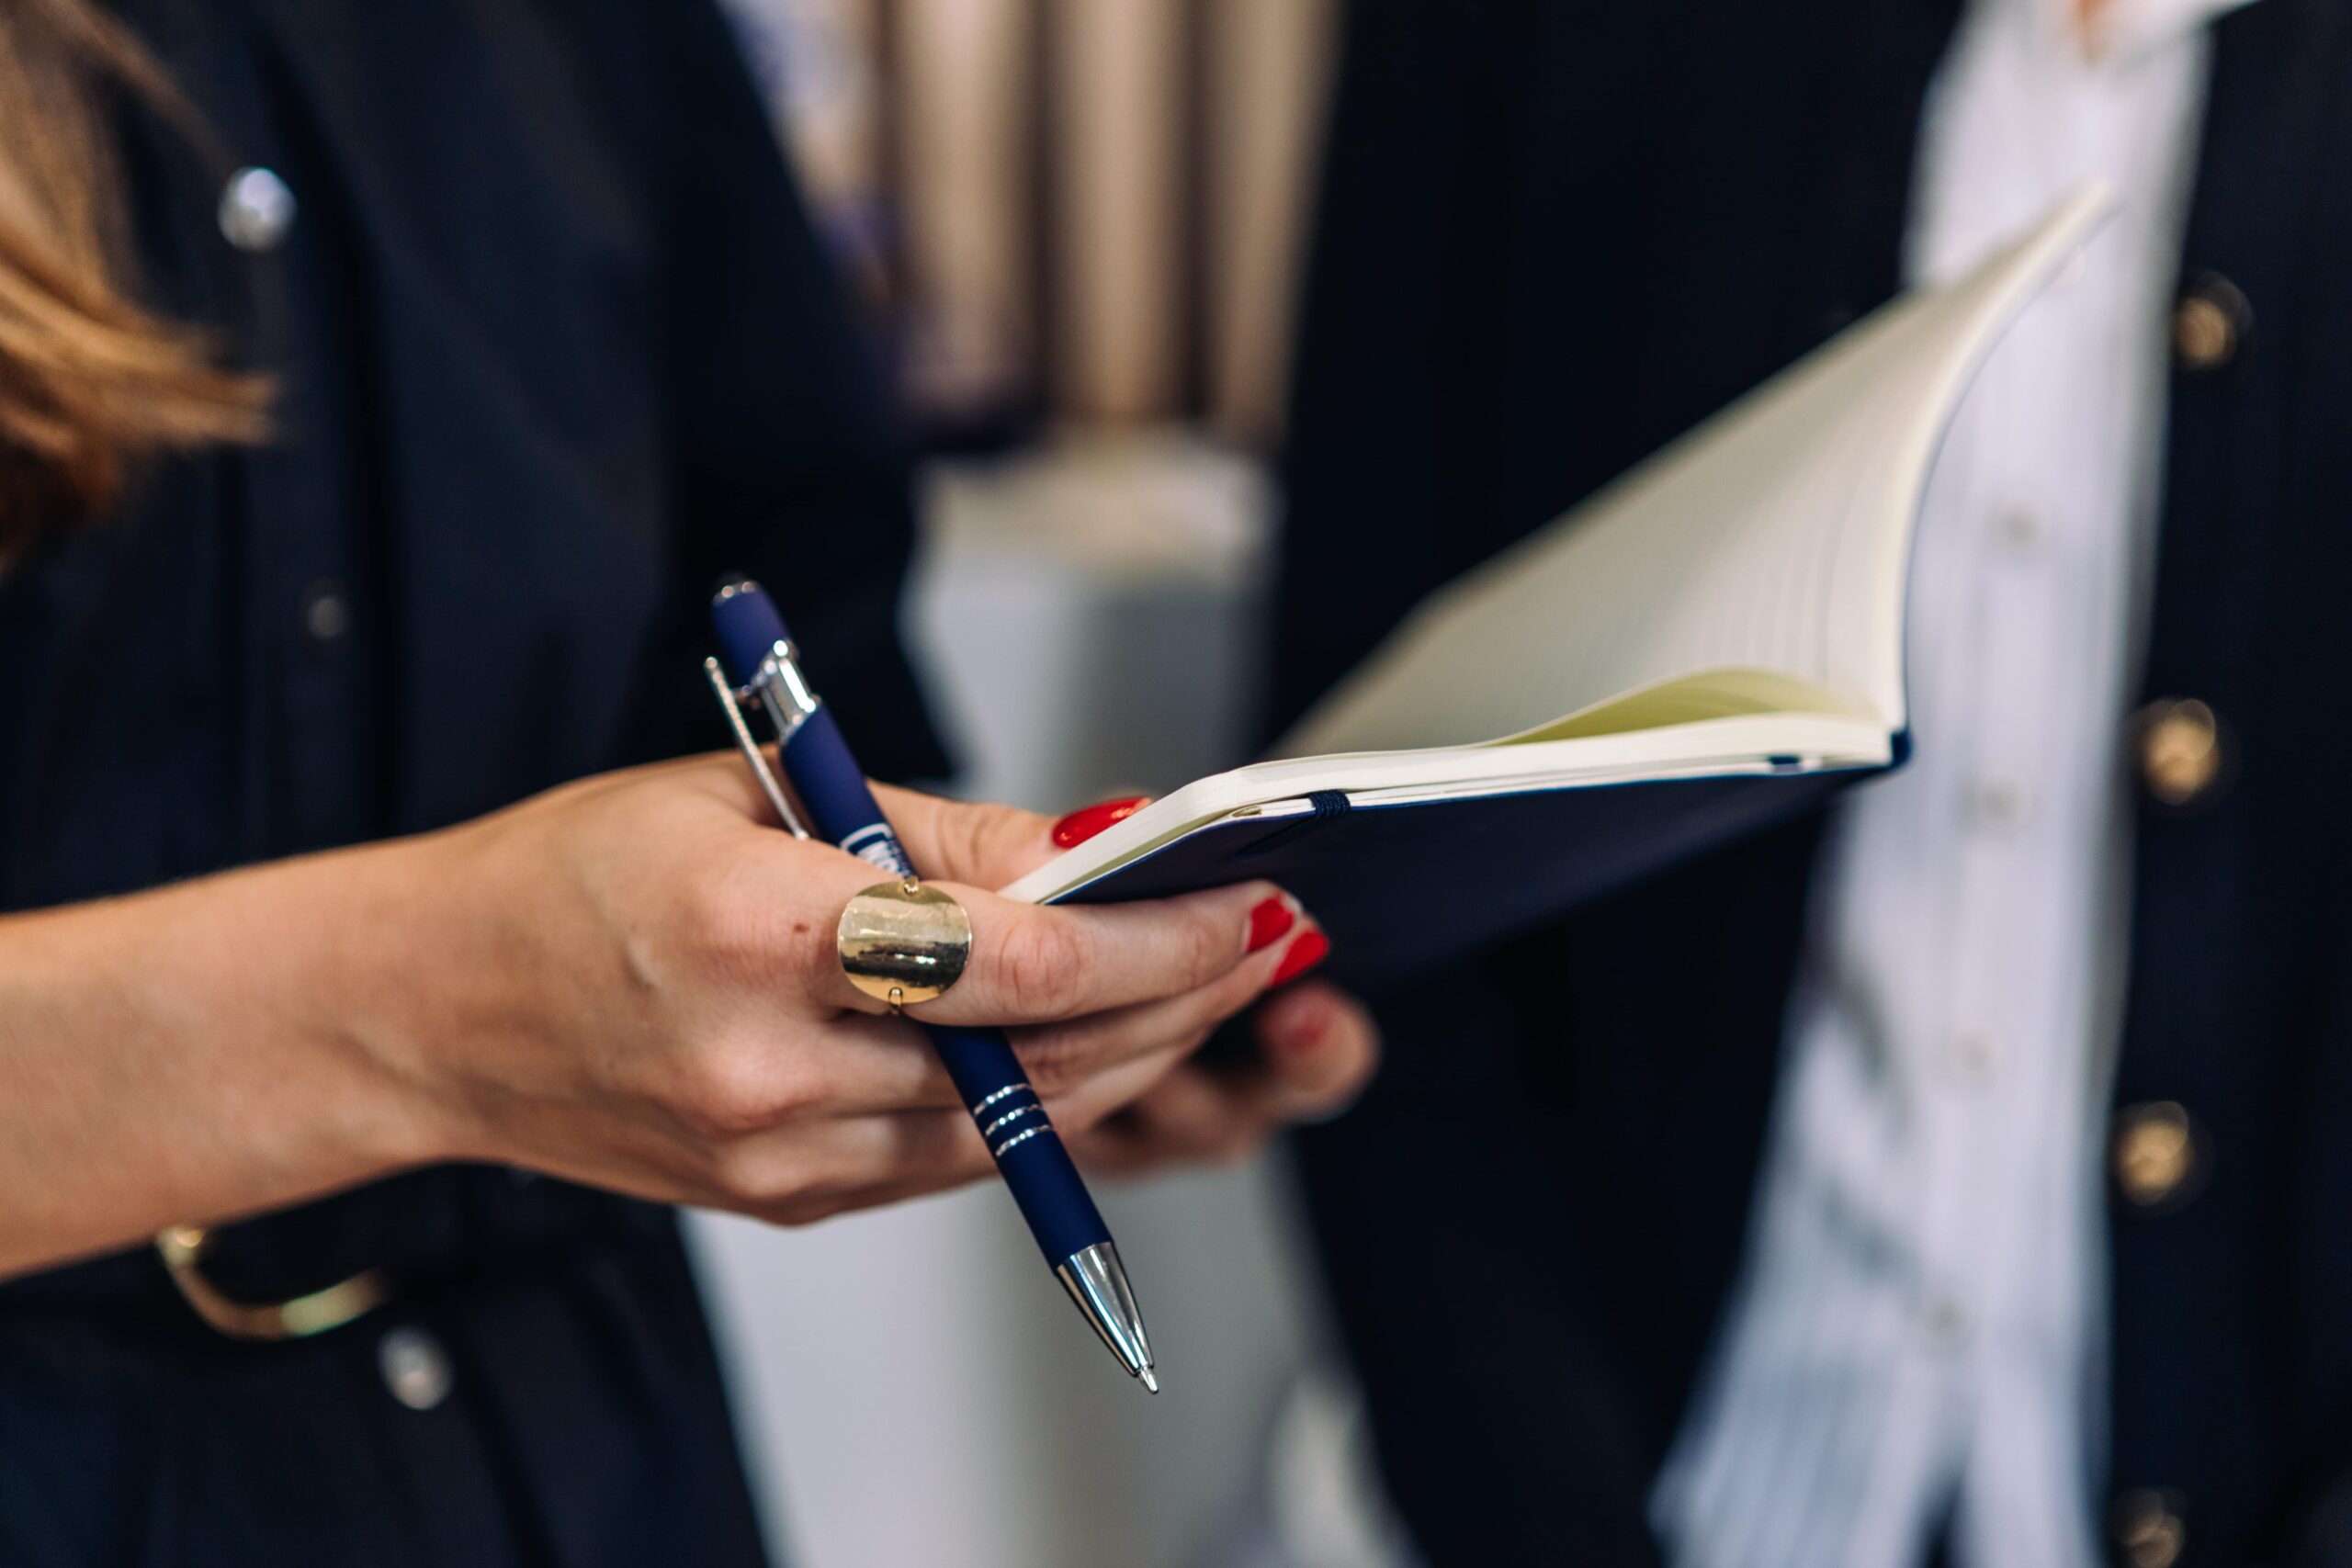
(770, 785)
(782, 690)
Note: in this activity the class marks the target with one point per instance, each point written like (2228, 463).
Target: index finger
(1035, 965)
(982, 842)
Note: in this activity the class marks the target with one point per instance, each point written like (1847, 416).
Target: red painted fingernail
(1088, 820)
(1305, 954)
(1268, 921)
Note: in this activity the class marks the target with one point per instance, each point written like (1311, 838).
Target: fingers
(879, 1064)
(1130, 1116)
(800, 1174)
(1028, 964)
(1108, 984)
(854, 1163)
(1189, 1117)
(775, 906)
(1318, 1047)
(1060, 1056)
(1031, 965)
(876, 1064)
(983, 843)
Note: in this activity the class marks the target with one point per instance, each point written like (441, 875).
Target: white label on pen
(876, 846)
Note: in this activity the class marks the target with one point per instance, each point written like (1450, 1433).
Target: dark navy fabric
(1553, 237)
(556, 346)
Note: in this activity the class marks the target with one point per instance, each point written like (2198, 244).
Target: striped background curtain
(1068, 212)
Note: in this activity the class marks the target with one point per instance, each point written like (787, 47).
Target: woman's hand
(636, 986)
(630, 981)
(1314, 1045)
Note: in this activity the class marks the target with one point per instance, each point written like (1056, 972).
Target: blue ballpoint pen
(762, 667)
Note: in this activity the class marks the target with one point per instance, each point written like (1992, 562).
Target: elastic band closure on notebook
(1324, 805)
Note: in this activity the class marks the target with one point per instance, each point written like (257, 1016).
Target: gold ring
(903, 942)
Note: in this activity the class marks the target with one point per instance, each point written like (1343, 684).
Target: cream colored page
(1773, 538)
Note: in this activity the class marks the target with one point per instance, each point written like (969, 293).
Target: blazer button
(2180, 749)
(414, 1368)
(326, 612)
(2156, 1154)
(2210, 323)
(256, 211)
(2148, 1528)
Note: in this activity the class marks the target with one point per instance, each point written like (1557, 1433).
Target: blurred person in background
(381, 388)
(1964, 1171)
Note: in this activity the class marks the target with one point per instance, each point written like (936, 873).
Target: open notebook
(1706, 646)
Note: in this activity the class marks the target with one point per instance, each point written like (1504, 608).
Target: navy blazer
(1552, 238)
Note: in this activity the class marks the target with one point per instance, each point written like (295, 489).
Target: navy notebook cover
(1405, 889)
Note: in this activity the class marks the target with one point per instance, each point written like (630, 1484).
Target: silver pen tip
(1098, 1285)
(1149, 1382)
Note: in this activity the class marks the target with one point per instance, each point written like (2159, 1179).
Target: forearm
(202, 1052)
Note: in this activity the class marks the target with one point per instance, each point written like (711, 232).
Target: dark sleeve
(1390, 386)
(788, 461)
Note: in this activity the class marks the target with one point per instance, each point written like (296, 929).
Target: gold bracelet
(182, 1247)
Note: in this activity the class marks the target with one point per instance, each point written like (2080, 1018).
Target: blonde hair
(91, 382)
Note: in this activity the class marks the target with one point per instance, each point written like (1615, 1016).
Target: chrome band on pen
(782, 691)
(988, 1099)
(1015, 1114)
(1017, 1140)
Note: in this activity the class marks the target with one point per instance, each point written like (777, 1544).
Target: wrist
(205, 1052)
(305, 962)
(375, 979)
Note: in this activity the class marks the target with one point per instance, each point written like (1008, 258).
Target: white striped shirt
(1918, 1335)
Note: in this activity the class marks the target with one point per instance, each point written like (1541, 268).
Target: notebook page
(1773, 538)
